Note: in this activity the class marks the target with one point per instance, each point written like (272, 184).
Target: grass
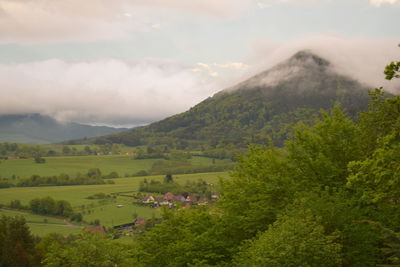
(111, 215)
(108, 213)
(71, 165)
(45, 229)
(43, 225)
(32, 218)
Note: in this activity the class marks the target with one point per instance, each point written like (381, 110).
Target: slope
(264, 105)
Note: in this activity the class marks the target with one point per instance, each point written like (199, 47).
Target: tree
(293, 242)
(168, 179)
(259, 188)
(186, 238)
(94, 173)
(320, 153)
(39, 159)
(392, 70)
(91, 250)
(16, 243)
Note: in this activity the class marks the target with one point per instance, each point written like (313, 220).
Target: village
(168, 200)
(184, 200)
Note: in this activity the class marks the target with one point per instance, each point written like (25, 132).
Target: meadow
(43, 225)
(71, 165)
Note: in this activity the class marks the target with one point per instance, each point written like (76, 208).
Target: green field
(42, 225)
(108, 213)
(71, 165)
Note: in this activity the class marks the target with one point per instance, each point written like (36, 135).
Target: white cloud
(378, 3)
(90, 20)
(220, 70)
(107, 91)
(361, 58)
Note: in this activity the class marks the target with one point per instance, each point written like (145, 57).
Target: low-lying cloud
(361, 58)
(110, 92)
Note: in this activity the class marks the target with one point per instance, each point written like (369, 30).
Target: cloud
(378, 3)
(216, 69)
(108, 91)
(361, 58)
(35, 21)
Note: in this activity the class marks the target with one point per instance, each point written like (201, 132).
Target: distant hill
(40, 129)
(265, 105)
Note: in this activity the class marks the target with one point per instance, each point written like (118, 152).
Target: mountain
(267, 104)
(40, 129)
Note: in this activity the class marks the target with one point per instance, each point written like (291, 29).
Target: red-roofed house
(169, 196)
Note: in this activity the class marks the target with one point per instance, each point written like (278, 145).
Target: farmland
(107, 211)
(71, 165)
(42, 225)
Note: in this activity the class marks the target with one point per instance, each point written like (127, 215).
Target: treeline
(92, 177)
(195, 188)
(185, 167)
(48, 206)
(37, 151)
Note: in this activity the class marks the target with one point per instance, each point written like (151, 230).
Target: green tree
(186, 238)
(94, 173)
(17, 246)
(259, 188)
(91, 250)
(293, 242)
(392, 70)
(320, 153)
(168, 179)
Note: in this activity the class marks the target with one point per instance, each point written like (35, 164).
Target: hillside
(264, 105)
(40, 129)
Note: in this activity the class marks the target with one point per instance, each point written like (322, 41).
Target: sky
(131, 62)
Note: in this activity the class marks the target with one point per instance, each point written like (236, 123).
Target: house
(148, 199)
(162, 201)
(179, 198)
(169, 196)
(100, 153)
(95, 229)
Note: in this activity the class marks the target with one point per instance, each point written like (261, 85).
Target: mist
(108, 92)
(363, 59)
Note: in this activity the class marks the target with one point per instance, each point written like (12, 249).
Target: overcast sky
(130, 62)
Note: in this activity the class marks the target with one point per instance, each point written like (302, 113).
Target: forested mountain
(264, 105)
(39, 129)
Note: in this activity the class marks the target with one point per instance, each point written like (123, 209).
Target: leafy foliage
(17, 245)
(292, 242)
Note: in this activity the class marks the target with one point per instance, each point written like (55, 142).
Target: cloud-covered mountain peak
(304, 64)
